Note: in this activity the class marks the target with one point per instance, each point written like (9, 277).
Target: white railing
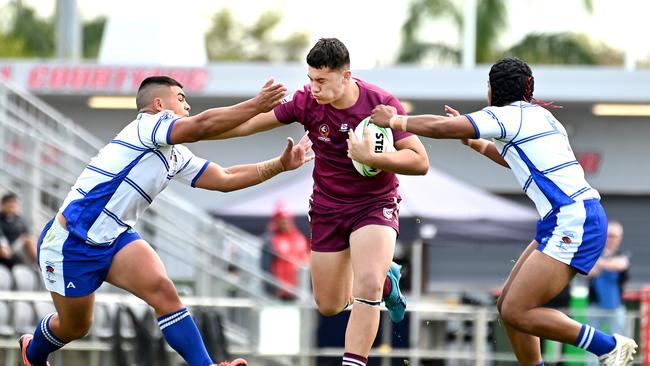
(458, 334)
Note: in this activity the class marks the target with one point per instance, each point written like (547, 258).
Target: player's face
(174, 100)
(327, 85)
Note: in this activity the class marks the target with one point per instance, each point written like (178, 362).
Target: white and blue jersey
(107, 199)
(122, 180)
(536, 147)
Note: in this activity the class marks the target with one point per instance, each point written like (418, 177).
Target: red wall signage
(5, 72)
(108, 79)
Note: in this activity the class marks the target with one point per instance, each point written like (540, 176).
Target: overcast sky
(371, 28)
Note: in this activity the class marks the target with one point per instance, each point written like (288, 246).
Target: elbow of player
(422, 166)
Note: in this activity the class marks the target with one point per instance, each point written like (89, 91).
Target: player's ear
(347, 74)
(157, 104)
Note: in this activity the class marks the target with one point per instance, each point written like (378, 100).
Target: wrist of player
(269, 168)
(398, 122)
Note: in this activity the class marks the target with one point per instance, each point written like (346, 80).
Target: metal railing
(461, 335)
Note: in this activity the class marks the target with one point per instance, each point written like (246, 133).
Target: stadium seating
(6, 279)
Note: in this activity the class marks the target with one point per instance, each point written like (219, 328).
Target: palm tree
(492, 15)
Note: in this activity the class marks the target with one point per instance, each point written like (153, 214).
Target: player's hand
(360, 151)
(269, 96)
(381, 115)
(451, 112)
(294, 156)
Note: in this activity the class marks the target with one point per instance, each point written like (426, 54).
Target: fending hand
(269, 96)
(294, 156)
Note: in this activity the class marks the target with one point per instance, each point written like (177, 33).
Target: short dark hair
(147, 85)
(328, 52)
(8, 197)
(511, 80)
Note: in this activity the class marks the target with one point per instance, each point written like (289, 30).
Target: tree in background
(93, 31)
(229, 40)
(492, 15)
(24, 35)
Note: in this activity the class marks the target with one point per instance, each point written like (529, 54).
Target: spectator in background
(286, 249)
(6, 254)
(21, 246)
(608, 278)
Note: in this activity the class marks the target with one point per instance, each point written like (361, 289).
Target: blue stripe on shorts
(574, 234)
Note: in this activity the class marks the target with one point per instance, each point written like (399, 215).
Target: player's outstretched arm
(429, 125)
(217, 178)
(482, 146)
(452, 126)
(261, 122)
(487, 148)
(215, 121)
(410, 158)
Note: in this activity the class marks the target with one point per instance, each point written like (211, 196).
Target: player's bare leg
(73, 317)
(72, 321)
(138, 269)
(372, 249)
(525, 346)
(331, 276)
(521, 306)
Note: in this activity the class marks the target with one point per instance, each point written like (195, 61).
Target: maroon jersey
(336, 183)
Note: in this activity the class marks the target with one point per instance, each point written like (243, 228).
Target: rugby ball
(382, 141)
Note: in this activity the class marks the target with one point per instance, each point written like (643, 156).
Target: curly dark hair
(511, 79)
(329, 52)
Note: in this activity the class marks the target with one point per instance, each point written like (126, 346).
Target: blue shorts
(574, 234)
(70, 266)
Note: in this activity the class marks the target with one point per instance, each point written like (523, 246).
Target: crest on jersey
(49, 272)
(324, 131)
(388, 213)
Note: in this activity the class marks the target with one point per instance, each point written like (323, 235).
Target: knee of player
(162, 292)
(500, 303)
(326, 308)
(510, 312)
(368, 286)
(78, 329)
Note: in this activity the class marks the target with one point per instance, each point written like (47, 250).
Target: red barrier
(645, 325)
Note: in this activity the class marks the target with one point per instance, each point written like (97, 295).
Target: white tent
(457, 209)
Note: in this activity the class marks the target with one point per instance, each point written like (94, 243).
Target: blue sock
(181, 333)
(43, 343)
(595, 341)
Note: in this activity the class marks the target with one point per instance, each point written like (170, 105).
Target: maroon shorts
(331, 228)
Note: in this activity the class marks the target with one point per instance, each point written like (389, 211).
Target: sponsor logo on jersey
(344, 127)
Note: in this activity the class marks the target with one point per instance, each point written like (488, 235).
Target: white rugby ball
(382, 141)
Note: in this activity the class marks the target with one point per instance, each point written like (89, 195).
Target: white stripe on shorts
(567, 235)
(51, 254)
